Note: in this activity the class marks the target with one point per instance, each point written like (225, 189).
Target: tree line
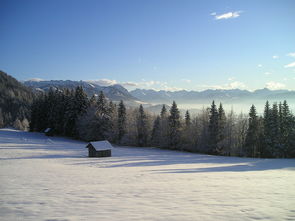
(15, 101)
(71, 113)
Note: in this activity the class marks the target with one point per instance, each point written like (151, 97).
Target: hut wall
(103, 153)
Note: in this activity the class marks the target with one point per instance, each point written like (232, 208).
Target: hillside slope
(53, 179)
(15, 101)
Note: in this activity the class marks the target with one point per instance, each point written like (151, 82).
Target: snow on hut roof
(102, 145)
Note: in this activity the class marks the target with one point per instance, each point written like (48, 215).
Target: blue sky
(172, 45)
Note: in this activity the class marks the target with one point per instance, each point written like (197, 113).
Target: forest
(71, 113)
(15, 102)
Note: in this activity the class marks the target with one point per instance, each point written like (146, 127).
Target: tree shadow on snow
(152, 157)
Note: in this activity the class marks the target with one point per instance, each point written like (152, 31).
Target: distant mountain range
(114, 92)
(151, 97)
(229, 96)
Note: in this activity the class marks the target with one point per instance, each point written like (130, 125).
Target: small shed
(99, 149)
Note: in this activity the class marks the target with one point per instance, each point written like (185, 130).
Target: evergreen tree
(275, 131)
(164, 128)
(174, 127)
(221, 130)
(187, 119)
(188, 137)
(81, 100)
(92, 101)
(213, 129)
(121, 121)
(267, 148)
(252, 137)
(287, 130)
(142, 132)
(103, 118)
(163, 112)
(156, 132)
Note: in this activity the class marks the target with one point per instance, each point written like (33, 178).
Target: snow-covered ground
(45, 178)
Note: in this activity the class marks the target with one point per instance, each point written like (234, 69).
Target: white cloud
(259, 65)
(186, 80)
(275, 57)
(231, 78)
(291, 65)
(228, 86)
(103, 82)
(274, 85)
(213, 13)
(267, 73)
(227, 15)
(292, 54)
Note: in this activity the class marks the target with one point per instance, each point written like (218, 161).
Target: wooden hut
(99, 149)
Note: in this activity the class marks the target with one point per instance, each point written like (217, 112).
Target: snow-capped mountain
(113, 92)
(233, 95)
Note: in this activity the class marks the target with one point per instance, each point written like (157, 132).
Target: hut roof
(101, 145)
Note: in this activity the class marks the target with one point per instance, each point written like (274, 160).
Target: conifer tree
(164, 127)
(213, 129)
(121, 121)
(187, 119)
(287, 130)
(188, 136)
(252, 137)
(267, 148)
(174, 127)
(156, 132)
(142, 132)
(221, 129)
(103, 118)
(275, 131)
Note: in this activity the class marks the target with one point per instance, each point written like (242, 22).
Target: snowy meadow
(53, 179)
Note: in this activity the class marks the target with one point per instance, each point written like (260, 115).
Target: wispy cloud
(267, 73)
(275, 57)
(259, 65)
(226, 15)
(292, 54)
(291, 65)
(275, 85)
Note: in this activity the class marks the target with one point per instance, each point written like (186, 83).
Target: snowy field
(45, 178)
